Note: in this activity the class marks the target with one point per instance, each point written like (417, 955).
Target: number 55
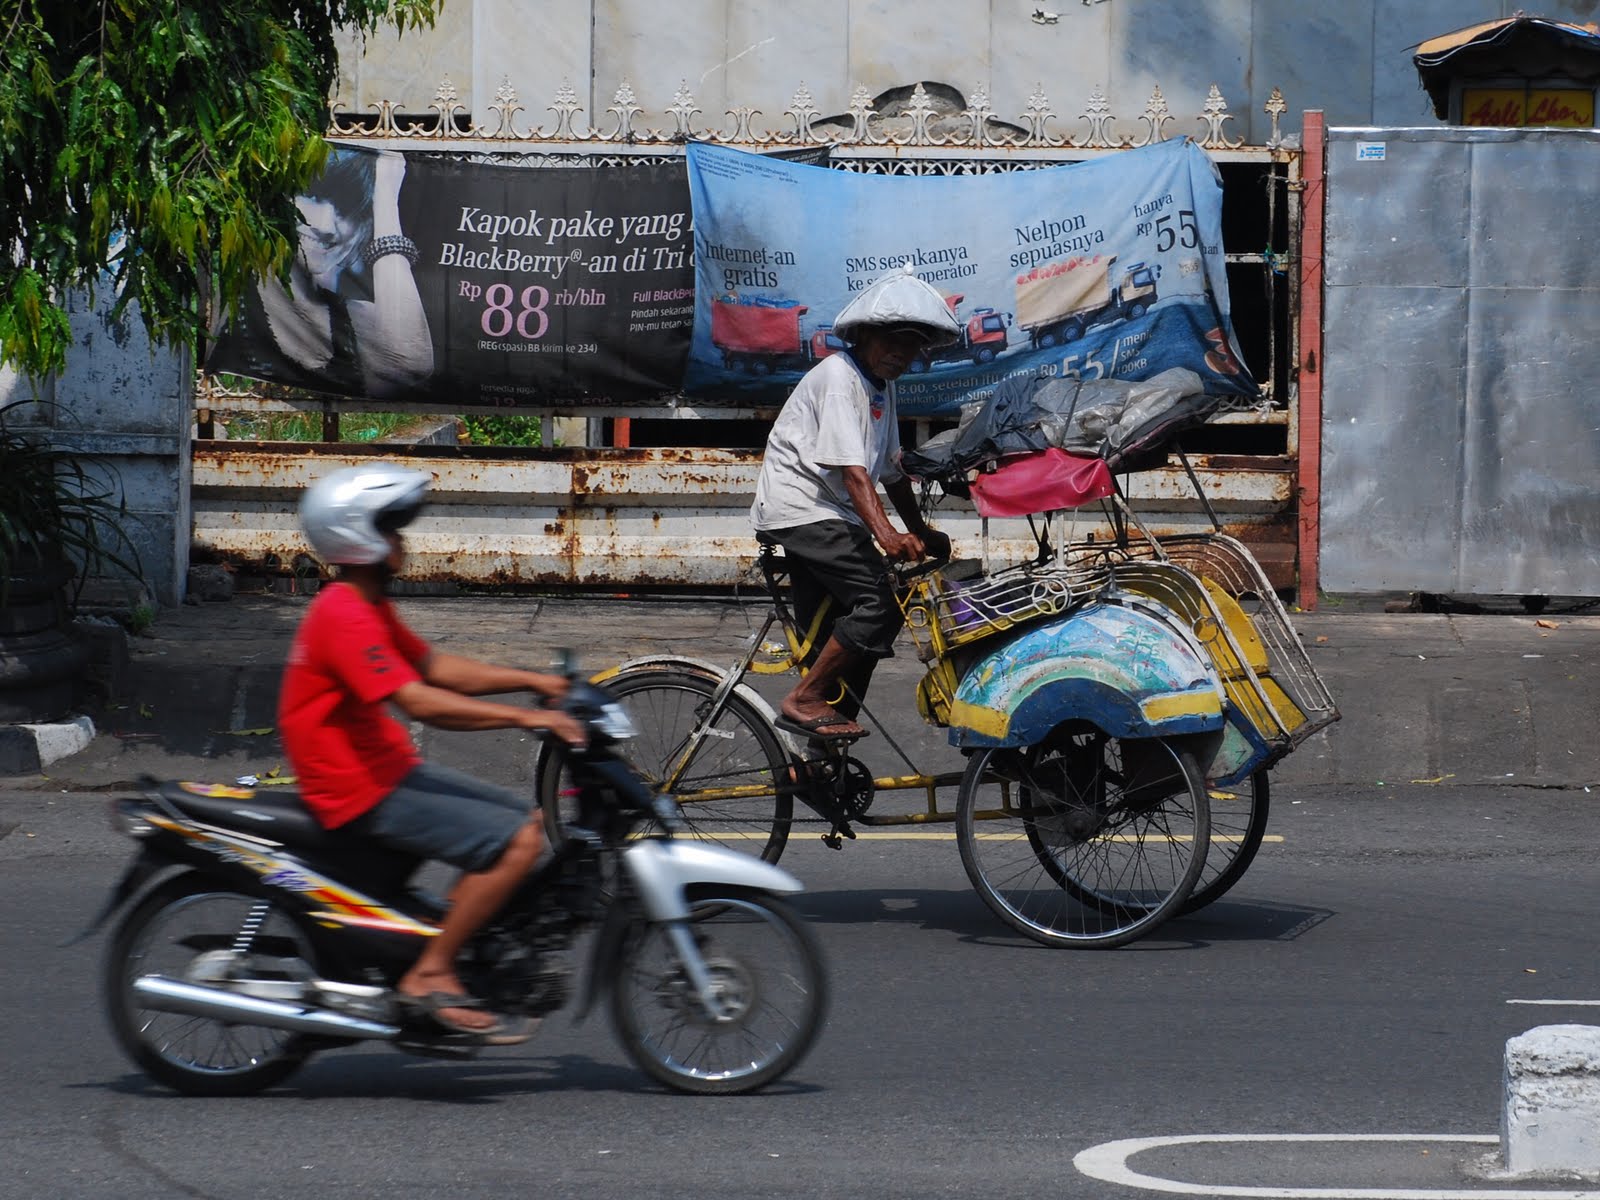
(1089, 361)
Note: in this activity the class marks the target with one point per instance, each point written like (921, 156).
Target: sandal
(817, 728)
(432, 1006)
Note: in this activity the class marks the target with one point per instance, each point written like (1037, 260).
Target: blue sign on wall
(1105, 269)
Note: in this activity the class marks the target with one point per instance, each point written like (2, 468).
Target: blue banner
(1111, 268)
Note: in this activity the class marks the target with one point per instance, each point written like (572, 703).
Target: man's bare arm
(899, 547)
(446, 709)
(471, 677)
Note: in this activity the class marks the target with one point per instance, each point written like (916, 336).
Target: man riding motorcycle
(357, 767)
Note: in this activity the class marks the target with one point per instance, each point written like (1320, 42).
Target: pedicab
(1119, 701)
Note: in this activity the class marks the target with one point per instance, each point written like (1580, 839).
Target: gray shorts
(439, 813)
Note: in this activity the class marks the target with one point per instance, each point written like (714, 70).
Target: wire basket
(942, 613)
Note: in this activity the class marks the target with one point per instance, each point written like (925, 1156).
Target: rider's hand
(935, 544)
(903, 547)
(561, 725)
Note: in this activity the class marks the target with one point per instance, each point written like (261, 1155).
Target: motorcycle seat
(277, 815)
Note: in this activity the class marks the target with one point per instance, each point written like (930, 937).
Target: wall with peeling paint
(1351, 58)
(129, 404)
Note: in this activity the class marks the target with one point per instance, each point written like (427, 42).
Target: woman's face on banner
(327, 241)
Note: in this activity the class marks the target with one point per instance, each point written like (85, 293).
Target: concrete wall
(1351, 58)
(130, 405)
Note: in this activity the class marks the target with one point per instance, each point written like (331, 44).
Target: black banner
(427, 281)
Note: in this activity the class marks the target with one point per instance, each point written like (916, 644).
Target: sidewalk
(1495, 700)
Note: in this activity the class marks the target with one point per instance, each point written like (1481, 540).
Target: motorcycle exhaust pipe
(174, 996)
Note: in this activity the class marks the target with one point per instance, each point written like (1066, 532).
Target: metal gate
(1461, 445)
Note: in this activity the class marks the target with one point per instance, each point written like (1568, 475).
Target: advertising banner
(421, 279)
(1111, 268)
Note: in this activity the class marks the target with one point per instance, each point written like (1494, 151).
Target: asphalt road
(1359, 980)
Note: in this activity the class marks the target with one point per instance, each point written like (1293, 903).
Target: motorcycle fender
(662, 870)
(605, 958)
(699, 666)
(1123, 669)
(145, 866)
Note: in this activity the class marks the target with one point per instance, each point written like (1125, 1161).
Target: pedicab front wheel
(729, 772)
(1084, 840)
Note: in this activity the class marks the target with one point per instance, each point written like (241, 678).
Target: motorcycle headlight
(614, 723)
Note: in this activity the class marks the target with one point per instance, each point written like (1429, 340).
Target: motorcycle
(268, 938)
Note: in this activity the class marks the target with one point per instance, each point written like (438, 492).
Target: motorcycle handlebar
(586, 702)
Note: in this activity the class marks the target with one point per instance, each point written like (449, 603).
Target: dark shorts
(438, 813)
(838, 559)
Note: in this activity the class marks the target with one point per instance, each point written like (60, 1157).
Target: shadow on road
(964, 914)
(342, 1075)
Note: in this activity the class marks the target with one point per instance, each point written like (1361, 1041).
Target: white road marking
(1108, 1162)
(1560, 1003)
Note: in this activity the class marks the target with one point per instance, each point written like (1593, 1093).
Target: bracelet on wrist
(390, 243)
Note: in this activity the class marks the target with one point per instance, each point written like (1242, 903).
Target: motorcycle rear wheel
(767, 970)
(183, 930)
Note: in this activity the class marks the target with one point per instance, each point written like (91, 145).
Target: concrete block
(1550, 1124)
(28, 749)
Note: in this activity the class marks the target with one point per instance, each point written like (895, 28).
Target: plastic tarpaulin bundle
(1114, 420)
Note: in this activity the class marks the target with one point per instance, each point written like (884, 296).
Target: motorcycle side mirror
(566, 664)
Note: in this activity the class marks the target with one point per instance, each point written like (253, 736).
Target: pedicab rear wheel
(1238, 823)
(1083, 839)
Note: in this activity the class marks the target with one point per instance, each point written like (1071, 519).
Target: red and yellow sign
(1519, 106)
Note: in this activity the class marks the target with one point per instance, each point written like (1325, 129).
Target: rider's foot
(820, 721)
(433, 992)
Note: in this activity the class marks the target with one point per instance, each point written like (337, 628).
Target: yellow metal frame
(1218, 621)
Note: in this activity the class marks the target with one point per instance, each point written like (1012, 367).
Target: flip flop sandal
(817, 728)
(429, 1006)
(513, 1032)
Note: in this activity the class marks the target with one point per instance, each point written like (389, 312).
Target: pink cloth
(1041, 482)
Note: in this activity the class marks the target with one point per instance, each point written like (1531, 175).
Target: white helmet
(346, 514)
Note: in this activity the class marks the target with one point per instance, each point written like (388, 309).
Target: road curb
(27, 749)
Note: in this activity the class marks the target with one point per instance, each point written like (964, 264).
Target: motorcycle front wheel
(194, 931)
(767, 979)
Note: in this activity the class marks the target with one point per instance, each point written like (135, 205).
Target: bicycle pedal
(833, 837)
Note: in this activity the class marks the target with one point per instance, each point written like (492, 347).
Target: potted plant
(59, 523)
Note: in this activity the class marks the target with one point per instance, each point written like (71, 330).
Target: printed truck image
(762, 336)
(983, 336)
(1058, 301)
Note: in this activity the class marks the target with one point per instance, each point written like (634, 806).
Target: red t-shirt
(349, 656)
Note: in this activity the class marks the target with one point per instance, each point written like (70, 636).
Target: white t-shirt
(834, 418)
